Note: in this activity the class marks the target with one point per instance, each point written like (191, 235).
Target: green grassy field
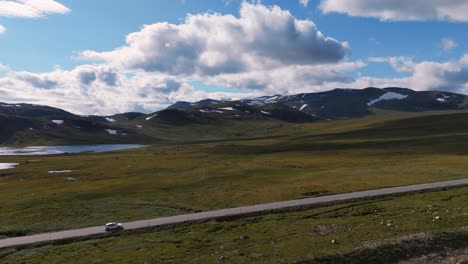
(261, 163)
(281, 163)
(287, 237)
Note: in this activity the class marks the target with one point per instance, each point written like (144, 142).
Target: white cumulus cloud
(425, 75)
(30, 9)
(210, 44)
(400, 10)
(290, 79)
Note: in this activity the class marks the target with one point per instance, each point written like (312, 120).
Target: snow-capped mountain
(349, 103)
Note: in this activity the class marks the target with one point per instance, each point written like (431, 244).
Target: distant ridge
(27, 124)
(348, 103)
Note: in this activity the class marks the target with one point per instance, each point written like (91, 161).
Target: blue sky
(39, 44)
(48, 49)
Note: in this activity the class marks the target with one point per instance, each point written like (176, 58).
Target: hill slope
(350, 103)
(25, 124)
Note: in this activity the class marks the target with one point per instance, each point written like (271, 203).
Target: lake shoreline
(59, 150)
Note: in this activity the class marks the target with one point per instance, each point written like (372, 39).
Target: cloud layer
(263, 51)
(400, 10)
(426, 75)
(262, 38)
(102, 89)
(99, 89)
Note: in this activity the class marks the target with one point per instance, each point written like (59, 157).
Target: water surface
(55, 150)
(7, 166)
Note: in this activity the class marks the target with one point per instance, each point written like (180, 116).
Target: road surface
(21, 241)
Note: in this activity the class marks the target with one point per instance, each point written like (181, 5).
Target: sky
(106, 57)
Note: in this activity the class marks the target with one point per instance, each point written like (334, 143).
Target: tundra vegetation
(271, 162)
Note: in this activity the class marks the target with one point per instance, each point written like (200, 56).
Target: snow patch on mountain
(264, 100)
(58, 122)
(111, 131)
(303, 107)
(228, 109)
(151, 117)
(256, 102)
(112, 120)
(388, 96)
(211, 111)
(273, 99)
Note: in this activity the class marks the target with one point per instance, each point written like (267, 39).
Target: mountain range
(26, 124)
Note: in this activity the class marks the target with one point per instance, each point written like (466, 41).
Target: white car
(114, 226)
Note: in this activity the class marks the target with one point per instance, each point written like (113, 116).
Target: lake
(55, 150)
(7, 166)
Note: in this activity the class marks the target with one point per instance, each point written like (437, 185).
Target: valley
(233, 131)
(200, 159)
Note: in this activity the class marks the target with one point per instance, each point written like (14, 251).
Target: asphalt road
(21, 241)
